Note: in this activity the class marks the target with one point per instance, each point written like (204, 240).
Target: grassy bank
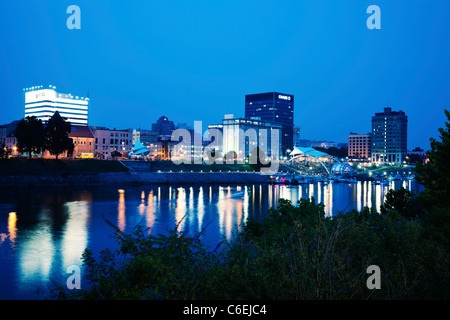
(65, 166)
(53, 166)
(41, 172)
(169, 166)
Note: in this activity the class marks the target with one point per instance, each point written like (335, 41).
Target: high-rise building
(274, 107)
(389, 137)
(359, 145)
(164, 128)
(158, 139)
(43, 102)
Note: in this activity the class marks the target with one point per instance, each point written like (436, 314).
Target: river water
(44, 230)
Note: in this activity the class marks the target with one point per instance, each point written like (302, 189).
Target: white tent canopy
(308, 152)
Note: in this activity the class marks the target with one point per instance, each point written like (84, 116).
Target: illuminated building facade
(109, 140)
(389, 137)
(359, 145)
(11, 144)
(5, 132)
(242, 136)
(83, 140)
(43, 102)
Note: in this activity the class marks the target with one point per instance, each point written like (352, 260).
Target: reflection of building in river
(121, 210)
(328, 199)
(141, 207)
(75, 234)
(232, 208)
(378, 196)
(37, 250)
(191, 206)
(150, 212)
(12, 229)
(40, 251)
(50, 228)
(180, 209)
(200, 209)
(358, 196)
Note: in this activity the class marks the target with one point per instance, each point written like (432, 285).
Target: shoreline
(133, 178)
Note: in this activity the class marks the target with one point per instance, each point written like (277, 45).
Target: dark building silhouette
(274, 107)
(163, 127)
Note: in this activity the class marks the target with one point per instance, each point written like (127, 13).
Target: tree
(436, 174)
(30, 135)
(401, 201)
(333, 151)
(115, 154)
(57, 138)
(258, 159)
(3, 151)
(414, 158)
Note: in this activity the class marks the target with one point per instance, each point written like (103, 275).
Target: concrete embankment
(134, 178)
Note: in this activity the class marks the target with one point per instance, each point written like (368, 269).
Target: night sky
(196, 60)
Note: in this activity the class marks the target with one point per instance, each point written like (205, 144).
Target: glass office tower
(274, 107)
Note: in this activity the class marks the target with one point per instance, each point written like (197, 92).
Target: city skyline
(189, 63)
(42, 91)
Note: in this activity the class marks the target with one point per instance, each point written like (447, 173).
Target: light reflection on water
(45, 230)
(12, 229)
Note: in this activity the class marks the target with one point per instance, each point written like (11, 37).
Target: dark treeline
(33, 137)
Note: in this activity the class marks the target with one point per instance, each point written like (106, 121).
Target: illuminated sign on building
(284, 97)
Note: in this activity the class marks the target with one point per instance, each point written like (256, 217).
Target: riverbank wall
(134, 178)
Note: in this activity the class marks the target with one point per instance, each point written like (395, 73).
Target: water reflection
(191, 206)
(75, 234)
(37, 250)
(230, 206)
(244, 208)
(378, 196)
(121, 210)
(328, 199)
(150, 210)
(12, 229)
(358, 196)
(47, 230)
(200, 209)
(180, 209)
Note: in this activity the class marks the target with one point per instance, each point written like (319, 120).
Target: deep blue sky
(196, 60)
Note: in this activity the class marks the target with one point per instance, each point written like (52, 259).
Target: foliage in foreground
(295, 253)
(435, 176)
